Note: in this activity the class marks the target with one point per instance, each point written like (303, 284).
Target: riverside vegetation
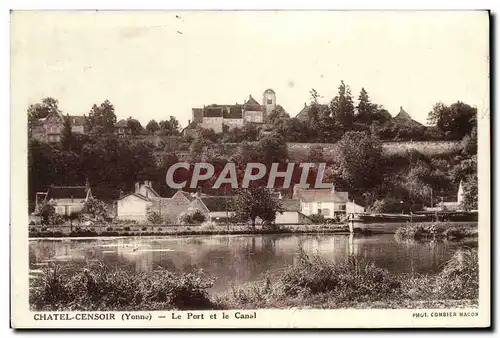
(311, 282)
(438, 230)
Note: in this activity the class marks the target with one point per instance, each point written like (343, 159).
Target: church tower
(269, 100)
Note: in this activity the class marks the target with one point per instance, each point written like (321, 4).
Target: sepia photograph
(172, 163)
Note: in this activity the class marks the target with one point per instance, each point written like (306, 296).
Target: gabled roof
(121, 124)
(144, 198)
(290, 204)
(58, 192)
(321, 195)
(77, 120)
(304, 113)
(252, 104)
(403, 116)
(218, 203)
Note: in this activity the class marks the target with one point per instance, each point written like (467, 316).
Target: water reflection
(235, 260)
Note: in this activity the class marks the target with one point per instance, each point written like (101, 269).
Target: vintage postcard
(250, 169)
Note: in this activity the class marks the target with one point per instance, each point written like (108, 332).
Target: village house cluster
(136, 205)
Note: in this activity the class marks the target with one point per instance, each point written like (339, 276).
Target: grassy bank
(38, 232)
(440, 230)
(311, 282)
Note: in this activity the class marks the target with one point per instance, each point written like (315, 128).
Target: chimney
(137, 187)
(189, 123)
(305, 105)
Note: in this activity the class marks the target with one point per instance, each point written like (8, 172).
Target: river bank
(311, 281)
(127, 230)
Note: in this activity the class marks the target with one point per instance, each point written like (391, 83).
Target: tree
(293, 130)
(152, 127)
(169, 127)
(316, 155)
(97, 209)
(365, 108)
(277, 115)
(256, 202)
(42, 110)
(135, 126)
(66, 135)
(454, 121)
(469, 143)
(273, 148)
(102, 116)
(359, 159)
(470, 193)
(342, 107)
(314, 96)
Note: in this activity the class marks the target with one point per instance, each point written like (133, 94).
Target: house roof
(304, 113)
(252, 104)
(235, 112)
(77, 120)
(218, 203)
(322, 195)
(213, 111)
(403, 116)
(290, 204)
(121, 124)
(136, 195)
(58, 192)
(186, 194)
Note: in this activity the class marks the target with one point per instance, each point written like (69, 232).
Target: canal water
(237, 259)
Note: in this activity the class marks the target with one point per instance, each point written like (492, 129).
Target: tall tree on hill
(152, 127)
(272, 148)
(342, 107)
(41, 110)
(314, 96)
(278, 115)
(360, 157)
(366, 109)
(454, 121)
(135, 126)
(169, 127)
(102, 117)
(66, 135)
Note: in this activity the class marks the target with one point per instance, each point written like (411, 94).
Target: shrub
(109, 229)
(98, 288)
(154, 217)
(317, 218)
(195, 217)
(127, 228)
(144, 228)
(355, 279)
(460, 276)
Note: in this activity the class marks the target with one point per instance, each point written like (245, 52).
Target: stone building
(49, 129)
(216, 116)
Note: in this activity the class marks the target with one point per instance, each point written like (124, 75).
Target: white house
(291, 213)
(133, 206)
(67, 200)
(327, 202)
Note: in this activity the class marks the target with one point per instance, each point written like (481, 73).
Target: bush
(101, 289)
(460, 276)
(195, 217)
(154, 217)
(127, 228)
(355, 279)
(144, 228)
(317, 218)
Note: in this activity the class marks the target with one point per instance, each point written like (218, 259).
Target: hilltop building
(216, 116)
(49, 129)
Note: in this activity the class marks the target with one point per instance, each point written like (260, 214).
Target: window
(342, 207)
(269, 101)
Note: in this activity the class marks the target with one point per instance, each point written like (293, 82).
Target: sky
(152, 65)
